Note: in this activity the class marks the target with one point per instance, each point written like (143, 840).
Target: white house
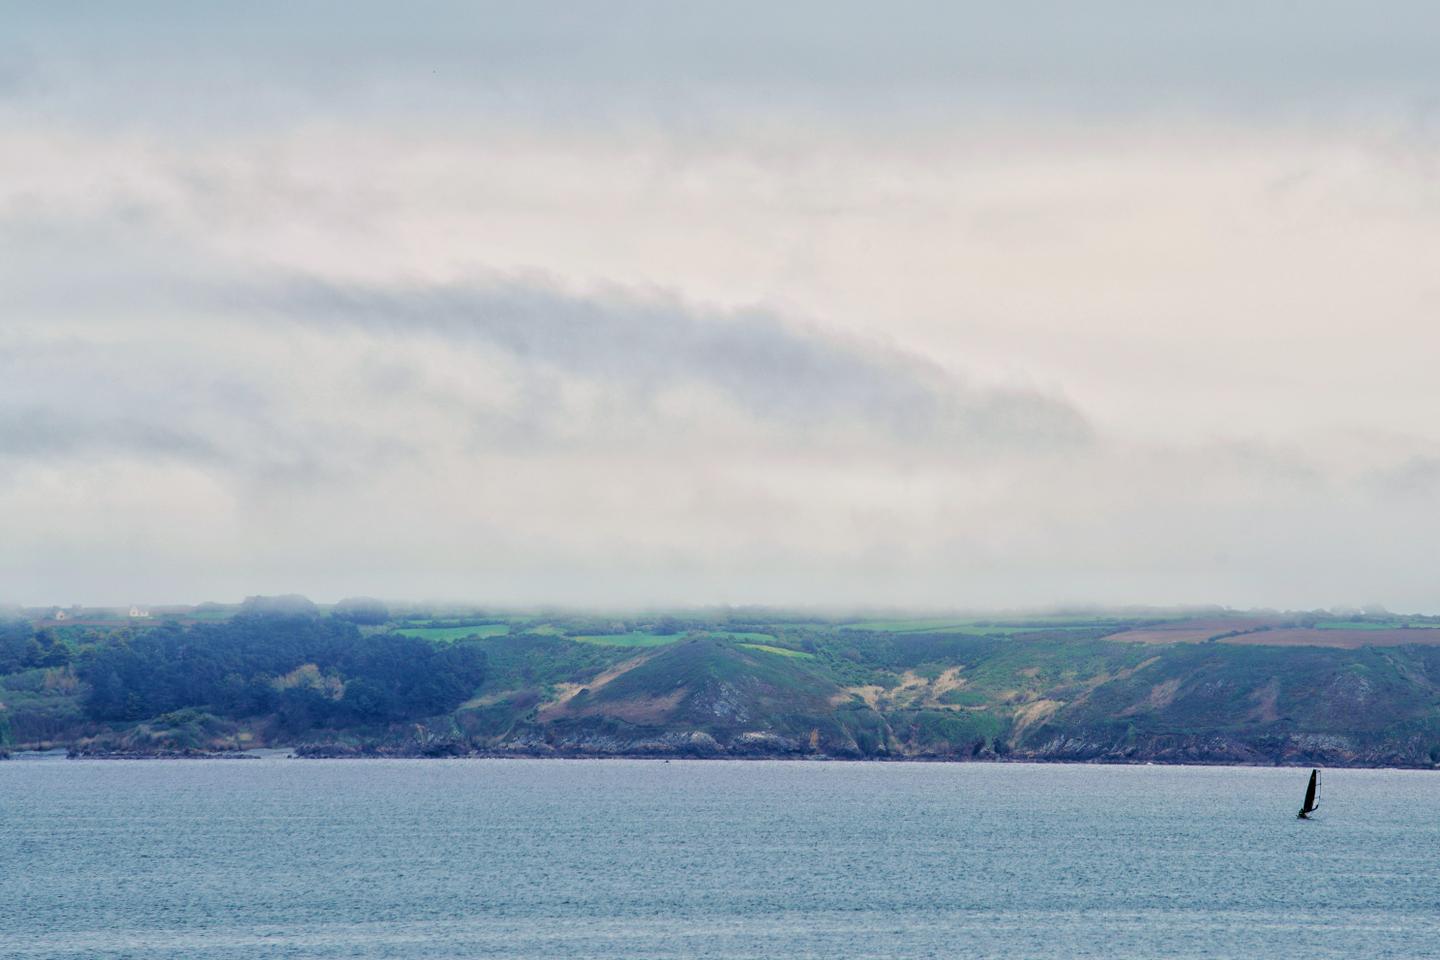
(138, 613)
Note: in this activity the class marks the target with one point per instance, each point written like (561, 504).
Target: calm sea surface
(204, 860)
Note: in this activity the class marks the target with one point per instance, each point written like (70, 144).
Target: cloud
(39, 433)
(269, 61)
(778, 371)
(1019, 305)
(1415, 479)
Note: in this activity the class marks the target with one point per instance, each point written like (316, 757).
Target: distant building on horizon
(139, 613)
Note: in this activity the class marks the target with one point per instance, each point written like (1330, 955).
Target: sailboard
(1312, 796)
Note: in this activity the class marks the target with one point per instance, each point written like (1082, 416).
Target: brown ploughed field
(1188, 631)
(1349, 639)
(1199, 631)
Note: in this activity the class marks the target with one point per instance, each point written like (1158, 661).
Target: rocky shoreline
(1093, 745)
(1298, 750)
(453, 751)
(188, 754)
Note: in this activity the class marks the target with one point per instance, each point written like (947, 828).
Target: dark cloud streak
(39, 433)
(776, 371)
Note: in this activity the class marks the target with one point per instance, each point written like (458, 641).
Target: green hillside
(1163, 686)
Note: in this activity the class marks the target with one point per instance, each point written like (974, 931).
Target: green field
(971, 627)
(456, 633)
(636, 639)
(210, 615)
(910, 626)
(782, 651)
(641, 639)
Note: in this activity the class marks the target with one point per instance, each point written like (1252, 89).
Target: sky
(929, 305)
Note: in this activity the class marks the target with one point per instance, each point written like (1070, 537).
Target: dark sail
(1310, 805)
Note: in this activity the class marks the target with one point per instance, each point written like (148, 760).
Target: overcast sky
(940, 305)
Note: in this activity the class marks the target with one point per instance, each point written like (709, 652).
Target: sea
(409, 859)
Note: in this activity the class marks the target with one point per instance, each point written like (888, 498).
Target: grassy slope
(726, 690)
(934, 687)
(947, 694)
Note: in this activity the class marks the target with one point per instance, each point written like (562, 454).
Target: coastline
(301, 753)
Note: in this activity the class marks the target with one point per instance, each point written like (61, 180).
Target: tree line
(308, 670)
